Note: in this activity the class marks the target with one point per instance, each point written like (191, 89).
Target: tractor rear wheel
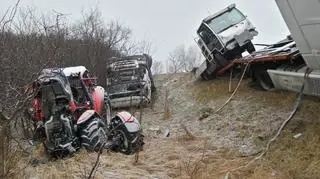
(92, 135)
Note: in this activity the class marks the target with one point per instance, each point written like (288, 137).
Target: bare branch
(11, 16)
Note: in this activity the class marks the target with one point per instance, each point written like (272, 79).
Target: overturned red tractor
(71, 111)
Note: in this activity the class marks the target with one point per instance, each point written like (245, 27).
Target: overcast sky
(167, 23)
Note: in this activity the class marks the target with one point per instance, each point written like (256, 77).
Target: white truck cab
(222, 37)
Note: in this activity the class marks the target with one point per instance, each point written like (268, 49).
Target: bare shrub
(167, 110)
(194, 167)
(157, 67)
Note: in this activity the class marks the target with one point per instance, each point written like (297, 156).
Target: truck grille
(124, 65)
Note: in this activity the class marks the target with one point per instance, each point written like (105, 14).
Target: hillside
(202, 143)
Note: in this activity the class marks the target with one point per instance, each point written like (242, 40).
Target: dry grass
(299, 158)
(207, 91)
(167, 114)
(288, 157)
(183, 154)
(275, 99)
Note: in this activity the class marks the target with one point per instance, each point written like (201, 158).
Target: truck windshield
(226, 20)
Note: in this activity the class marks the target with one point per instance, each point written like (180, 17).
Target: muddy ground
(202, 143)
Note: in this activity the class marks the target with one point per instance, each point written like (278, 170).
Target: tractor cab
(53, 93)
(81, 84)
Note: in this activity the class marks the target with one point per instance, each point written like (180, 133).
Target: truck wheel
(204, 76)
(250, 47)
(92, 135)
(264, 80)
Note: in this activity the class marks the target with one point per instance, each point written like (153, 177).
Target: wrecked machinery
(70, 111)
(223, 37)
(302, 19)
(284, 65)
(129, 80)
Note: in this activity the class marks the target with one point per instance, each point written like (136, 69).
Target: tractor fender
(130, 122)
(98, 98)
(85, 116)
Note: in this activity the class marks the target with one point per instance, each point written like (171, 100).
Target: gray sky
(168, 23)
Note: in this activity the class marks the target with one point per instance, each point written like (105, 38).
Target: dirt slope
(211, 146)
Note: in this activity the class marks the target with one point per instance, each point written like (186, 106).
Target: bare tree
(145, 47)
(157, 67)
(136, 48)
(192, 58)
(117, 35)
(176, 59)
(174, 64)
(183, 59)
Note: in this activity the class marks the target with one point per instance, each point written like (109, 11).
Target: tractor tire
(92, 135)
(130, 143)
